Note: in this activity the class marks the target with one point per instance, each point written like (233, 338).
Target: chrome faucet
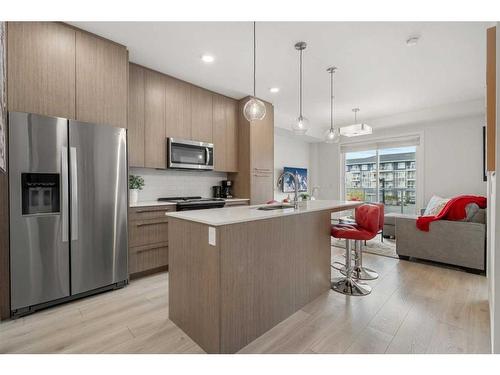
(295, 185)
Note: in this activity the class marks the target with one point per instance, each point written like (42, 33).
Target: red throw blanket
(453, 210)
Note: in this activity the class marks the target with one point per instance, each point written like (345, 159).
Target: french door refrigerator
(68, 209)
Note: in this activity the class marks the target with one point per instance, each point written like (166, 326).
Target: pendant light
(332, 135)
(254, 108)
(301, 125)
(355, 129)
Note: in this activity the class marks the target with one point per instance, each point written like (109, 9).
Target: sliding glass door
(386, 175)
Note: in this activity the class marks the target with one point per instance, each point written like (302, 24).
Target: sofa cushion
(435, 205)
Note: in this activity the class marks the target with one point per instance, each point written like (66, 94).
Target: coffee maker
(227, 186)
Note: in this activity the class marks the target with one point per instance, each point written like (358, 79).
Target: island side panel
(270, 269)
(193, 284)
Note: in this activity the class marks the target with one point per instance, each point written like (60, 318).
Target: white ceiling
(377, 71)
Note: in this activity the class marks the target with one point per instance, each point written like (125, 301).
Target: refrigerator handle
(64, 193)
(74, 195)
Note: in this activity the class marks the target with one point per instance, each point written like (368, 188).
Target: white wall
(174, 183)
(325, 159)
(452, 158)
(289, 151)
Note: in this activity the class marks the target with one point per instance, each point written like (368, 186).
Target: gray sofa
(457, 243)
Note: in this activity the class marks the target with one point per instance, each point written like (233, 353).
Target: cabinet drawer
(154, 212)
(148, 232)
(147, 257)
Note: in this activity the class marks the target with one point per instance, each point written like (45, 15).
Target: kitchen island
(234, 273)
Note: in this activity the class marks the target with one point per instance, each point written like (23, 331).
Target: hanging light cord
(332, 97)
(300, 85)
(254, 58)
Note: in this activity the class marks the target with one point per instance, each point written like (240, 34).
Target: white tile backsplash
(169, 183)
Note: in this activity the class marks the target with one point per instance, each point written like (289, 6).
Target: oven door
(187, 154)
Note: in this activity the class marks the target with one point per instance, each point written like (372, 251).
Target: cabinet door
(201, 114)
(231, 109)
(41, 73)
(154, 120)
(261, 188)
(262, 143)
(219, 132)
(101, 81)
(177, 109)
(136, 116)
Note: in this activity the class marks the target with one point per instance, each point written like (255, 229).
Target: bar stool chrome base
(348, 286)
(363, 273)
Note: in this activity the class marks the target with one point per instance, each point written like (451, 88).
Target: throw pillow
(470, 211)
(435, 205)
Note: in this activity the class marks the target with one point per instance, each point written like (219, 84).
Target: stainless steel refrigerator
(68, 209)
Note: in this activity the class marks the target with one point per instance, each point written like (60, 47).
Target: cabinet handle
(144, 250)
(155, 223)
(263, 169)
(260, 175)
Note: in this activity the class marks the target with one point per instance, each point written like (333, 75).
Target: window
(386, 175)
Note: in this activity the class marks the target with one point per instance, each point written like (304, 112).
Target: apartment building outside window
(384, 175)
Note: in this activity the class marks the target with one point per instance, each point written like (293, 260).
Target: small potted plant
(135, 183)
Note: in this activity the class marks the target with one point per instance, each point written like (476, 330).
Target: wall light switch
(211, 236)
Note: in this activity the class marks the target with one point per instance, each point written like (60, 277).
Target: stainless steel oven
(187, 154)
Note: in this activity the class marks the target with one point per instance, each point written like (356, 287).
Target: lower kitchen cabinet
(148, 240)
(147, 258)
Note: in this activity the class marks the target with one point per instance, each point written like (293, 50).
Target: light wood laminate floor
(414, 308)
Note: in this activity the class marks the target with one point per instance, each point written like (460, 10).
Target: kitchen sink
(275, 207)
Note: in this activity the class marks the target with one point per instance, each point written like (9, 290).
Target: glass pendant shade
(300, 126)
(254, 109)
(332, 136)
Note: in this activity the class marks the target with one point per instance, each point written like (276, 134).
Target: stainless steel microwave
(187, 154)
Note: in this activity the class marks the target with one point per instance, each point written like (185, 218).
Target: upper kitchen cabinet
(225, 136)
(201, 114)
(262, 143)
(219, 132)
(136, 116)
(154, 120)
(255, 176)
(177, 108)
(41, 68)
(101, 80)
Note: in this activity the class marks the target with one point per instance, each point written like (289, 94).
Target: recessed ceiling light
(412, 40)
(274, 90)
(207, 58)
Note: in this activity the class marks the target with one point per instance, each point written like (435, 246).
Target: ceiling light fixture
(355, 129)
(412, 40)
(332, 135)
(207, 59)
(254, 109)
(300, 126)
(274, 90)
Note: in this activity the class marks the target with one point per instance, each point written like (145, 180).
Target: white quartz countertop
(151, 203)
(232, 215)
(158, 203)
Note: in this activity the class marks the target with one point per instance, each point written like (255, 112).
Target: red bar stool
(367, 226)
(360, 272)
